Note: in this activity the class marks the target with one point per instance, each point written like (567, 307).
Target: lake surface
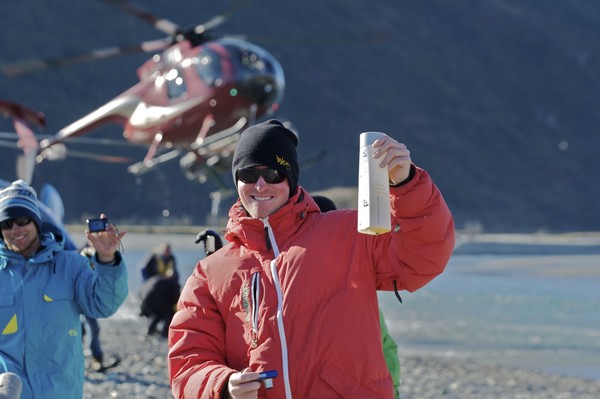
(511, 310)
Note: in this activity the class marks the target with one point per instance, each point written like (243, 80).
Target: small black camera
(97, 225)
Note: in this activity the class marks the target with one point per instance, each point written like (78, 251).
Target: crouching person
(159, 297)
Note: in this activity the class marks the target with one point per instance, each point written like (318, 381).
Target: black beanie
(268, 144)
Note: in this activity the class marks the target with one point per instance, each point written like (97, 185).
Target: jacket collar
(49, 246)
(285, 222)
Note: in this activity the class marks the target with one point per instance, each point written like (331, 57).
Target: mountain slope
(497, 99)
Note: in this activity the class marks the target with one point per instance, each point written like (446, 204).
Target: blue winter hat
(19, 199)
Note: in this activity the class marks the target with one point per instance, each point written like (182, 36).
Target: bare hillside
(496, 99)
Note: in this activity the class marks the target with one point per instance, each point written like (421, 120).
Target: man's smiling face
(261, 199)
(23, 240)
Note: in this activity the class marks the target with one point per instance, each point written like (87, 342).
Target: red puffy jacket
(296, 293)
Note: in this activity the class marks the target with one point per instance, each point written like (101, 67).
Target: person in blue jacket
(43, 290)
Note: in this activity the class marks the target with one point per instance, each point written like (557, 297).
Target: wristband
(113, 262)
(411, 174)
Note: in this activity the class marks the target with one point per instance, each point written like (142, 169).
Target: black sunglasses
(19, 221)
(251, 175)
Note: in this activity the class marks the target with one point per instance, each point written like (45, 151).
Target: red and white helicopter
(193, 99)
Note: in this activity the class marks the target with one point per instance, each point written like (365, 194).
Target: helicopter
(195, 96)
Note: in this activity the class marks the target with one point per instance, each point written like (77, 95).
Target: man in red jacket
(294, 290)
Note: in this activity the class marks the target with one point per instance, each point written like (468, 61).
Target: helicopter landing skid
(215, 218)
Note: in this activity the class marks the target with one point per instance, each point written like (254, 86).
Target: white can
(373, 189)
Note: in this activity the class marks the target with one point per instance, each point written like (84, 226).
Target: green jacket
(390, 351)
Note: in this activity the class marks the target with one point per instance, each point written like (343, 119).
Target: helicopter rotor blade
(9, 137)
(35, 65)
(9, 144)
(142, 167)
(219, 19)
(98, 157)
(161, 24)
(59, 152)
(197, 35)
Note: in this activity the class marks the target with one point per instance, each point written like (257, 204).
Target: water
(525, 311)
(511, 310)
(186, 261)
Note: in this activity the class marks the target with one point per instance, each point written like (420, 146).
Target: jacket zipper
(255, 295)
(282, 337)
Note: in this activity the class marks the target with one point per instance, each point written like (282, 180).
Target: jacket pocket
(344, 385)
(8, 318)
(59, 310)
(6, 299)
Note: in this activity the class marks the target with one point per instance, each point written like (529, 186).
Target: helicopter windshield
(208, 66)
(259, 75)
(175, 83)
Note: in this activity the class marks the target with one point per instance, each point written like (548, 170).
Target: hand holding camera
(105, 238)
(97, 225)
(245, 382)
(266, 378)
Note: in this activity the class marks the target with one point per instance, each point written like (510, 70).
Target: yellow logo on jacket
(12, 326)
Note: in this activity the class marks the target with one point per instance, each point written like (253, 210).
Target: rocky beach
(142, 372)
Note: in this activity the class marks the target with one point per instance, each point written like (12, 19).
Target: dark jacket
(159, 295)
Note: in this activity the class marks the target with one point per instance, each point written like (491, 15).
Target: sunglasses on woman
(251, 175)
(19, 221)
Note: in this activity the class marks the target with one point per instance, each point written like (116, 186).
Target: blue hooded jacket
(41, 299)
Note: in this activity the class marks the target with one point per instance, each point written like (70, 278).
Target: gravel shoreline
(143, 373)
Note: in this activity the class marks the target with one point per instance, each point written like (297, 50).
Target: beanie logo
(18, 193)
(281, 161)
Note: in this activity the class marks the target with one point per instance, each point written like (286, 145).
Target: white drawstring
(282, 337)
